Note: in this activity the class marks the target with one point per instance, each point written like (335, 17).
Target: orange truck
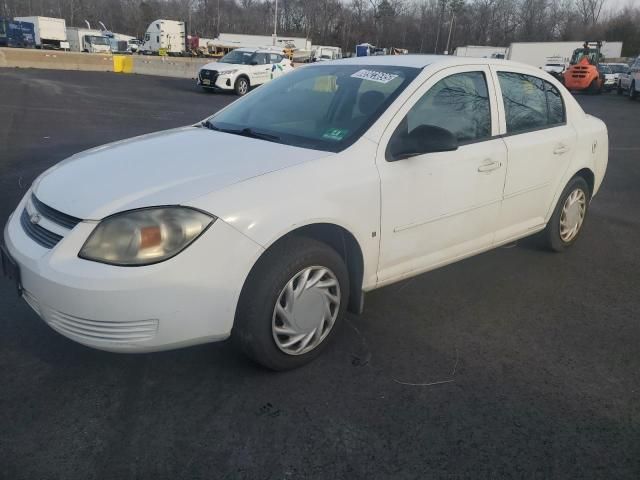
(583, 73)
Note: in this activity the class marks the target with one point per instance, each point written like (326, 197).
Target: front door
(261, 72)
(441, 206)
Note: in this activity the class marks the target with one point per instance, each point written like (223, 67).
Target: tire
(594, 88)
(632, 91)
(241, 86)
(552, 235)
(619, 89)
(258, 319)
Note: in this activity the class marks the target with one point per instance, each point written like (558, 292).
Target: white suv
(633, 89)
(243, 68)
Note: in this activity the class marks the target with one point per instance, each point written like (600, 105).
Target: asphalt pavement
(518, 363)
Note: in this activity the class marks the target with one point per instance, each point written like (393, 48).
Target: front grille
(54, 215)
(209, 75)
(40, 235)
(99, 330)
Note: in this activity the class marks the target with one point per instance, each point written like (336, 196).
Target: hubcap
(572, 214)
(243, 87)
(306, 310)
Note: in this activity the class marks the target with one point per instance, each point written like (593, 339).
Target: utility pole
(275, 25)
(453, 19)
(218, 23)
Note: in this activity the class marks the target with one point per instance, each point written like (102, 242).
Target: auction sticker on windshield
(380, 77)
(335, 134)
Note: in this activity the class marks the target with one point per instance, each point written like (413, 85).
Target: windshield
(99, 40)
(617, 68)
(238, 57)
(319, 107)
(590, 53)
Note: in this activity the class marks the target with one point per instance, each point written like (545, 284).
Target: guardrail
(141, 64)
(54, 60)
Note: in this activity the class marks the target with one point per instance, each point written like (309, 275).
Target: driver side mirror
(421, 140)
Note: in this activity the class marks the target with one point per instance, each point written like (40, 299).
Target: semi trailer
(48, 31)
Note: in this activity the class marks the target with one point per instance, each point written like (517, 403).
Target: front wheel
(292, 303)
(568, 217)
(632, 91)
(619, 89)
(241, 86)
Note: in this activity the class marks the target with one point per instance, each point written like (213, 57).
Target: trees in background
(418, 25)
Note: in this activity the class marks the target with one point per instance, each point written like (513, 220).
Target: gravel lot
(543, 349)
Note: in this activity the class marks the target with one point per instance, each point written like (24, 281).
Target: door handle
(489, 165)
(560, 149)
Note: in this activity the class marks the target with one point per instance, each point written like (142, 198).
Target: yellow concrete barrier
(122, 64)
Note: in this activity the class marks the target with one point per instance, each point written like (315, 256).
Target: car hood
(164, 168)
(221, 67)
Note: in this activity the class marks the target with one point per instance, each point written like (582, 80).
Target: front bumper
(216, 82)
(186, 300)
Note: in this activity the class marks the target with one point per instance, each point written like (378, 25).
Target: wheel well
(245, 76)
(343, 242)
(589, 177)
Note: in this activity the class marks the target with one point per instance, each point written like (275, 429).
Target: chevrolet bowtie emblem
(34, 218)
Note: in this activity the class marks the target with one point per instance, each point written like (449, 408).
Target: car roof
(260, 49)
(422, 61)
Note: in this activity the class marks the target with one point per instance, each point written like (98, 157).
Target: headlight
(145, 236)
(228, 72)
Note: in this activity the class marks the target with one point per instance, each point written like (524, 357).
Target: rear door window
(530, 103)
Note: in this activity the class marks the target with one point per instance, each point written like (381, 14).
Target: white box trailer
(88, 40)
(480, 51)
(49, 32)
(538, 53)
(322, 52)
(255, 41)
(166, 35)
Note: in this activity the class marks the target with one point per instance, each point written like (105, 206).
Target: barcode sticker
(380, 77)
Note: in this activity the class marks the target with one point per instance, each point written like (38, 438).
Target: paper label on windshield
(372, 75)
(336, 134)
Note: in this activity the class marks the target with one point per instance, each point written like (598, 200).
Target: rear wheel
(568, 217)
(619, 89)
(241, 86)
(632, 91)
(291, 303)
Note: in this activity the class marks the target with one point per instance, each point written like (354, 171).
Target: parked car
(292, 202)
(554, 69)
(630, 83)
(244, 68)
(612, 73)
(608, 82)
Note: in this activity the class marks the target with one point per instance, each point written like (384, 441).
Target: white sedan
(242, 69)
(292, 202)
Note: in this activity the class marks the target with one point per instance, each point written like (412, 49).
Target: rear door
(540, 144)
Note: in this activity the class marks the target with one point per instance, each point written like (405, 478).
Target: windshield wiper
(245, 132)
(249, 132)
(209, 125)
